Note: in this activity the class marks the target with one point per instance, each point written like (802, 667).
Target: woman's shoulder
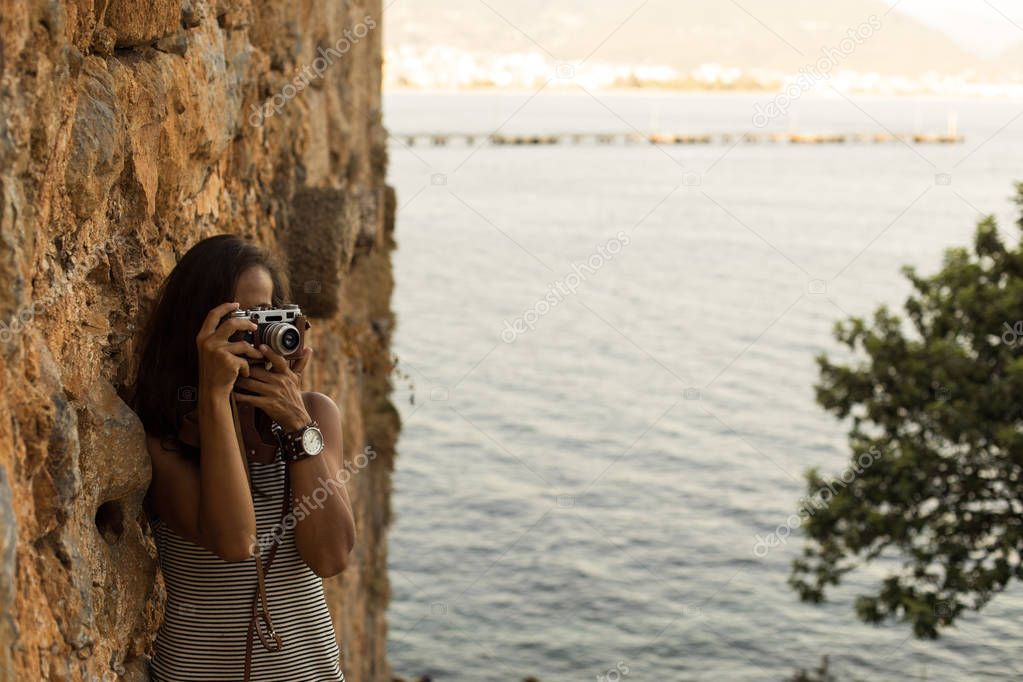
(156, 444)
(320, 405)
(168, 448)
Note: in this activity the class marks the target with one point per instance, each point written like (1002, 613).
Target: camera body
(282, 329)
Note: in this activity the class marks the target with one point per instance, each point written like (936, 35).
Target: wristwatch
(305, 442)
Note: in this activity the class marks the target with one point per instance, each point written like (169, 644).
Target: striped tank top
(206, 615)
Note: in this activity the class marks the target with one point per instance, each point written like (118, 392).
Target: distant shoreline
(661, 91)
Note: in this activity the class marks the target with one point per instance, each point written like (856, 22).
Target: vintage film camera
(282, 329)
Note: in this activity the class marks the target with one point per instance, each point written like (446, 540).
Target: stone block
(140, 22)
(317, 239)
(97, 140)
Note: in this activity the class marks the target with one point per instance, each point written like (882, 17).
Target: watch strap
(292, 448)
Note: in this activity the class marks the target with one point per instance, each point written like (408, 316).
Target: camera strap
(260, 621)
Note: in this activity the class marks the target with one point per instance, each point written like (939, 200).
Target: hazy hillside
(1011, 61)
(773, 34)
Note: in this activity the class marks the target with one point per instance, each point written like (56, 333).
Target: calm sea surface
(584, 500)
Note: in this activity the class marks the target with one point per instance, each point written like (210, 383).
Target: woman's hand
(221, 361)
(277, 392)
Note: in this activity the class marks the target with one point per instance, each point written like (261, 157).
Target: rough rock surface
(130, 129)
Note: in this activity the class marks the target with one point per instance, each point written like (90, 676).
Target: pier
(619, 138)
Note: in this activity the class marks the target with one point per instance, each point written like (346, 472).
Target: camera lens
(290, 339)
(282, 337)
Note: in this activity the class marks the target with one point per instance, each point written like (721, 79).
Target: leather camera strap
(260, 620)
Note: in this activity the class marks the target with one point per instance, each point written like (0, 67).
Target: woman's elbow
(336, 562)
(349, 543)
(234, 555)
(233, 549)
(230, 544)
(328, 568)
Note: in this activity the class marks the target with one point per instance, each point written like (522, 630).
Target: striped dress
(208, 606)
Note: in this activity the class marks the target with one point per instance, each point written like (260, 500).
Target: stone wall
(130, 129)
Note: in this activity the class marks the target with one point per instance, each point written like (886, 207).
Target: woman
(207, 520)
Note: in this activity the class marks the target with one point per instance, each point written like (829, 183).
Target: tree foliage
(936, 396)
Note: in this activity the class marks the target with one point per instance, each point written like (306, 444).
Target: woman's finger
(209, 325)
(257, 400)
(243, 348)
(250, 384)
(303, 361)
(243, 366)
(277, 362)
(262, 373)
(235, 324)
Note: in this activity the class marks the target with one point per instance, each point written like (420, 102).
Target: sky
(984, 26)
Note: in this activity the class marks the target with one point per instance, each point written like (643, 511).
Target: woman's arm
(324, 524)
(325, 529)
(210, 502)
(226, 517)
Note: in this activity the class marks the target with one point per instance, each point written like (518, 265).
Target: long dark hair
(167, 378)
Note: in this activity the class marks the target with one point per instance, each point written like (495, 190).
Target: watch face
(312, 441)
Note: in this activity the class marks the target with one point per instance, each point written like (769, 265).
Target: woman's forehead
(254, 287)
